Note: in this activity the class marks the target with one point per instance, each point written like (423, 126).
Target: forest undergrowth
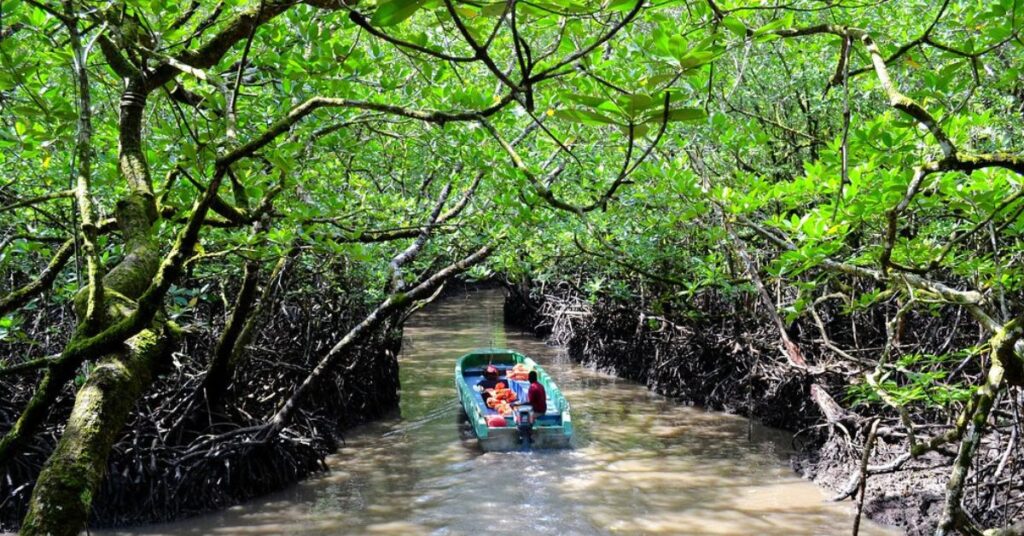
(178, 455)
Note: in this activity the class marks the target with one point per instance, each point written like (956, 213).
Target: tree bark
(219, 373)
(62, 498)
(1002, 352)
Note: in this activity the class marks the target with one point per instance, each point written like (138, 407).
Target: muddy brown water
(642, 464)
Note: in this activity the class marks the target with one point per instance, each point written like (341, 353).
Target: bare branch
(546, 73)
(392, 304)
(315, 103)
(63, 194)
(361, 21)
(27, 366)
(409, 253)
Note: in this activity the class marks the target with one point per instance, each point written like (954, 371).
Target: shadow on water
(642, 464)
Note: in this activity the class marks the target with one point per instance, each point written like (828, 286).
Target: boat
(550, 431)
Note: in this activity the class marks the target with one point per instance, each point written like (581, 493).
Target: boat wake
(434, 414)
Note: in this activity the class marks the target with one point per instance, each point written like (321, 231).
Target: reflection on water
(642, 464)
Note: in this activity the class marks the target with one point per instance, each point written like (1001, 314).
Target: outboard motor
(523, 417)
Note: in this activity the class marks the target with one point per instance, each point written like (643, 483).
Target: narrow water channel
(642, 464)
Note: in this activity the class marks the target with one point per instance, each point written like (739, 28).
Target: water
(642, 464)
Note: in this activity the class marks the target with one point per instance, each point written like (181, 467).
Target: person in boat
(489, 382)
(537, 397)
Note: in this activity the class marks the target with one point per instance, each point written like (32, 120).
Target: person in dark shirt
(490, 378)
(537, 397)
(489, 381)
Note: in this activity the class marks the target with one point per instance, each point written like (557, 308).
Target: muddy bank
(728, 359)
(177, 456)
(713, 363)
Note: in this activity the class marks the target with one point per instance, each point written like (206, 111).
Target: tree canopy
(867, 153)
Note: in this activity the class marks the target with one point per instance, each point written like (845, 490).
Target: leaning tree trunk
(63, 495)
(131, 341)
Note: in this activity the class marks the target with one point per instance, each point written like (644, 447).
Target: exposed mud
(910, 499)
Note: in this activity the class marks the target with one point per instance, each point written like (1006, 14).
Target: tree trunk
(219, 373)
(62, 498)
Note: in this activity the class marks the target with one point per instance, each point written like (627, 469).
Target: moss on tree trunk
(63, 496)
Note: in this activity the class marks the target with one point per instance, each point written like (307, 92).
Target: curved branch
(628, 169)
(463, 201)
(970, 299)
(409, 253)
(84, 346)
(963, 163)
(622, 263)
(27, 366)
(315, 103)
(591, 47)
(544, 191)
(83, 189)
(120, 64)
(480, 52)
(393, 303)
(903, 49)
(905, 104)
(977, 227)
(361, 21)
(63, 194)
(208, 54)
(20, 297)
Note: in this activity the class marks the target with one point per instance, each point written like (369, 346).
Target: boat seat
(552, 417)
(520, 388)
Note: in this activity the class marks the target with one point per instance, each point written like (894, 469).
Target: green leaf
(633, 105)
(638, 130)
(622, 5)
(586, 100)
(775, 25)
(395, 11)
(496, 9)
(735, 25)
(679, 114)
(586, 117)
(695, 58)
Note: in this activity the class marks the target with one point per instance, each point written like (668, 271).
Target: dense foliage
(845, 163)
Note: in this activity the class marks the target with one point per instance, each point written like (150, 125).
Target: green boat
(496, 433)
